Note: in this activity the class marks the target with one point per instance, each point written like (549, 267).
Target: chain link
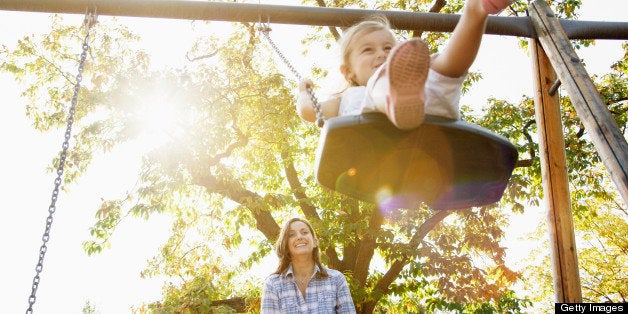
(320, 120)
(90, 20)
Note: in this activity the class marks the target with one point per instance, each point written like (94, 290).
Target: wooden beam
(604, 131)
(555, 180)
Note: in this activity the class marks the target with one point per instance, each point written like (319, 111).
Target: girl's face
(369, 51)
(300, 239)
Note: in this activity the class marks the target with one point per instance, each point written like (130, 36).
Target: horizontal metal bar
(302, 15)
(594, 29)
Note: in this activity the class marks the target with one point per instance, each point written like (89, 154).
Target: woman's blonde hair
(372, 24)
(283, 251)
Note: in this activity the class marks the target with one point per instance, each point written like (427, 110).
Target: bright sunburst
(160, 116)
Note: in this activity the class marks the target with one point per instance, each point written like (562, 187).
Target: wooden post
(555, 180)
(592, 111)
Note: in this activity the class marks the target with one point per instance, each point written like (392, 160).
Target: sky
(110, 281)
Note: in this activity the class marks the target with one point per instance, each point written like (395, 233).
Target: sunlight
(156, 112)
(159, 121)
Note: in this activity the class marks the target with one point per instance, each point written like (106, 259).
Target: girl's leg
(464, 43)
(397, 88)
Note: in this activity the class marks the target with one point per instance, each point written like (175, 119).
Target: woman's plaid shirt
(323, 294)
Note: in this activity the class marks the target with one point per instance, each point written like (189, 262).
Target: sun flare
(159, 122)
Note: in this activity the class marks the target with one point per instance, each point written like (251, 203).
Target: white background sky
(111, 280)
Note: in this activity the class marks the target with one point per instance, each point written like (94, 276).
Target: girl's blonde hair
(372, 24)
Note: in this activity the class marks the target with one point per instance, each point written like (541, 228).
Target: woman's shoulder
(332, 273)
(335, 277)
(274, 277)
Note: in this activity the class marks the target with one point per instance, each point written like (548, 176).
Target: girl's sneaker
(407, 67)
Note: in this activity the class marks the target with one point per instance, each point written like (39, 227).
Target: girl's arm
(305, 107)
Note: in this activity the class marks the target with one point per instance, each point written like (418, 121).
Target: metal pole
(303, 15)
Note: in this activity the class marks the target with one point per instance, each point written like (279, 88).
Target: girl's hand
(305, 107)
(304, 84)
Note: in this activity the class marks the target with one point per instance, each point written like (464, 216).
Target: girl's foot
(407, 67)
(495, 6)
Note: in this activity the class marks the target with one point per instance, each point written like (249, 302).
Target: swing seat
(446, 164)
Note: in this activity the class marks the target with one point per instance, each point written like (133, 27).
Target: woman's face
(368, 53)
(300, 239)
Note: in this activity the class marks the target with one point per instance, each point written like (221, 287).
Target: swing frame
(542, 27)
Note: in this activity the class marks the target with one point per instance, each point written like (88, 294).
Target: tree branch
(308, 210)
(350, 206)
(527, 162)
(436, 7)
(257, 205)
(367, 247)
(192, 59)
(393, 272)
(297, 189)
(332, 30)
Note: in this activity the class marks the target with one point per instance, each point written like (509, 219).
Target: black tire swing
(446, 164)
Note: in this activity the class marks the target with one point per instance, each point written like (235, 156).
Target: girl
(402, 80)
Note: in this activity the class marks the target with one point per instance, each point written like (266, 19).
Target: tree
(238, 162)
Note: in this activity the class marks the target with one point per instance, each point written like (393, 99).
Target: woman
(301, 284)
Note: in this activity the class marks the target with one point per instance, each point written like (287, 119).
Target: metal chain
(90, 20)
(320, 120)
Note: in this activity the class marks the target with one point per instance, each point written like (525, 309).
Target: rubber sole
(408, 65)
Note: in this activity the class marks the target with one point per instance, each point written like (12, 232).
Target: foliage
(89, 308)
(601, 239)
(236, 161)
